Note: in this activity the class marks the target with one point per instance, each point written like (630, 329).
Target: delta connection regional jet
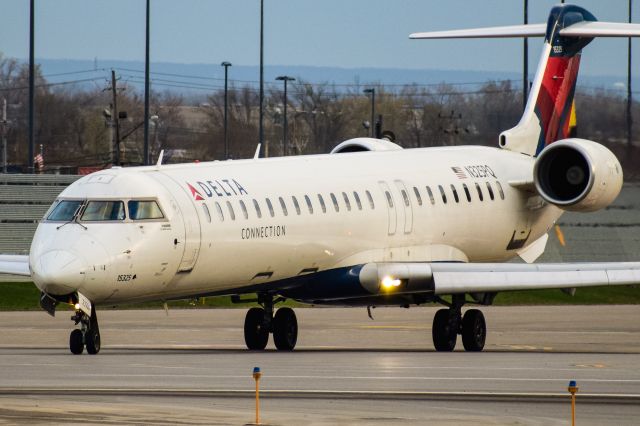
(369, 224)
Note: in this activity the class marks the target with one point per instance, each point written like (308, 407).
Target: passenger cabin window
(444, 196)
(257, 207)
(479, 192)
(103, 211)
(65, 210)
(231, 212)
(141, 210)
(206, 212)
(219, 210)
(405, 197)
(490, 191)
(430, 194)
(346, 201)
(466, 192)
(324, 208)
(370, 198)
(270, 207)
(335, 202)
(284, 206)
(455, 194)
(309, 205)
(500, 190)
(357, 198)
(389, 199)
(295, 204)
(418, 198)
(243, 207)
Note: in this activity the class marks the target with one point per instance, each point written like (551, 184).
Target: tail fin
(548, 112)
(547, 115)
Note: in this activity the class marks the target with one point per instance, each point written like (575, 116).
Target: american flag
(39, 161)
(459, 172)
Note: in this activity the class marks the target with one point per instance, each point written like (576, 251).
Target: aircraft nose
(58, 272)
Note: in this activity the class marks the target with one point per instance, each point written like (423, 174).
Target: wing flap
(15, 265)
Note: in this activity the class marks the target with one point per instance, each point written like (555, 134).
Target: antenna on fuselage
(257, 154)
(160, 157)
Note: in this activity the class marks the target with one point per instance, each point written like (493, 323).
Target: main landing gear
(448, 323)
(259, 322)
(87, 335)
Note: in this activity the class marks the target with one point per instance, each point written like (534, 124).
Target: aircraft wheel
(285, 329)
(92, 338)
(474, 330)
(443, 333)
(76, 342)
(256, 334)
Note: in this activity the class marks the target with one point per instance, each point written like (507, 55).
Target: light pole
(260, 120)
(629, 92)
(146, 92)
(372, 91)
(286, 79)
(226, 66)
(32, 70)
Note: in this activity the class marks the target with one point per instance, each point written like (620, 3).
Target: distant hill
(204, 78)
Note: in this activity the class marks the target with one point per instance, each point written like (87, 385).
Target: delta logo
(217, 187)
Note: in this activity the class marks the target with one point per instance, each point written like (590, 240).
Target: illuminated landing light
(77, 306)
(389, 283)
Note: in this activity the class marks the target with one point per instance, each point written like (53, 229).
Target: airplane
(369, 224)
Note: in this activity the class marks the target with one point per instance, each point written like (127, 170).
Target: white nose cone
(58, 272)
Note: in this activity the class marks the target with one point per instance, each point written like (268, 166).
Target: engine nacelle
(578, 175)
(365, 144)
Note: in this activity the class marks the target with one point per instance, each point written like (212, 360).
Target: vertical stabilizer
(547, 116)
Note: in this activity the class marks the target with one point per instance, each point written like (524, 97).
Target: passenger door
(407, 207)
(189, 218)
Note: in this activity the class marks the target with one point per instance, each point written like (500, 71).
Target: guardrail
(24, 199)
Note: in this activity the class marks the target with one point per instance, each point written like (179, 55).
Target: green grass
(24, 297)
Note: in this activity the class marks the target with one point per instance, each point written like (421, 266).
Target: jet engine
(577, 175)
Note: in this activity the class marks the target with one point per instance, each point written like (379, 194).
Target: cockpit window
(103, 211)
(65, 210)
(141, 210)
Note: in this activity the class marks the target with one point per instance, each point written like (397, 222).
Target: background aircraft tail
(547, 115)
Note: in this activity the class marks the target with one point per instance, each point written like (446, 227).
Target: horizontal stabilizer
(579, 29)
(532, 30)
(15, 265)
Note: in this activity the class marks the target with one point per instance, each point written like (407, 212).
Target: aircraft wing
(14, 265)
(455, 278)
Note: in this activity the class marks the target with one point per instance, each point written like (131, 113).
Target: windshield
(103, 210)
(140, 210)
(65, 210)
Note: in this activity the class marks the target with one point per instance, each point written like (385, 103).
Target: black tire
(256, 334)
(443, 334)
(474, 330)
(92, 340)
(285, 329)
(76, 342)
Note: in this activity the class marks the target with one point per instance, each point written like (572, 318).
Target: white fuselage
(201, 247)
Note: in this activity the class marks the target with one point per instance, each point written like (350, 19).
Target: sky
(335, 33)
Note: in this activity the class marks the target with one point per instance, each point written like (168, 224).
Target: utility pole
(114, 117)
(146, 93)
(4, 135)
(32, 67)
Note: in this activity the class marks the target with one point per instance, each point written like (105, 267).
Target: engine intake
(578, 175)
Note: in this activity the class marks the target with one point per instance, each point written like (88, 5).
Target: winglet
(160, 157)
(257, 154)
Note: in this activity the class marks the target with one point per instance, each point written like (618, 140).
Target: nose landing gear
(88, 335)
(259, 322)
